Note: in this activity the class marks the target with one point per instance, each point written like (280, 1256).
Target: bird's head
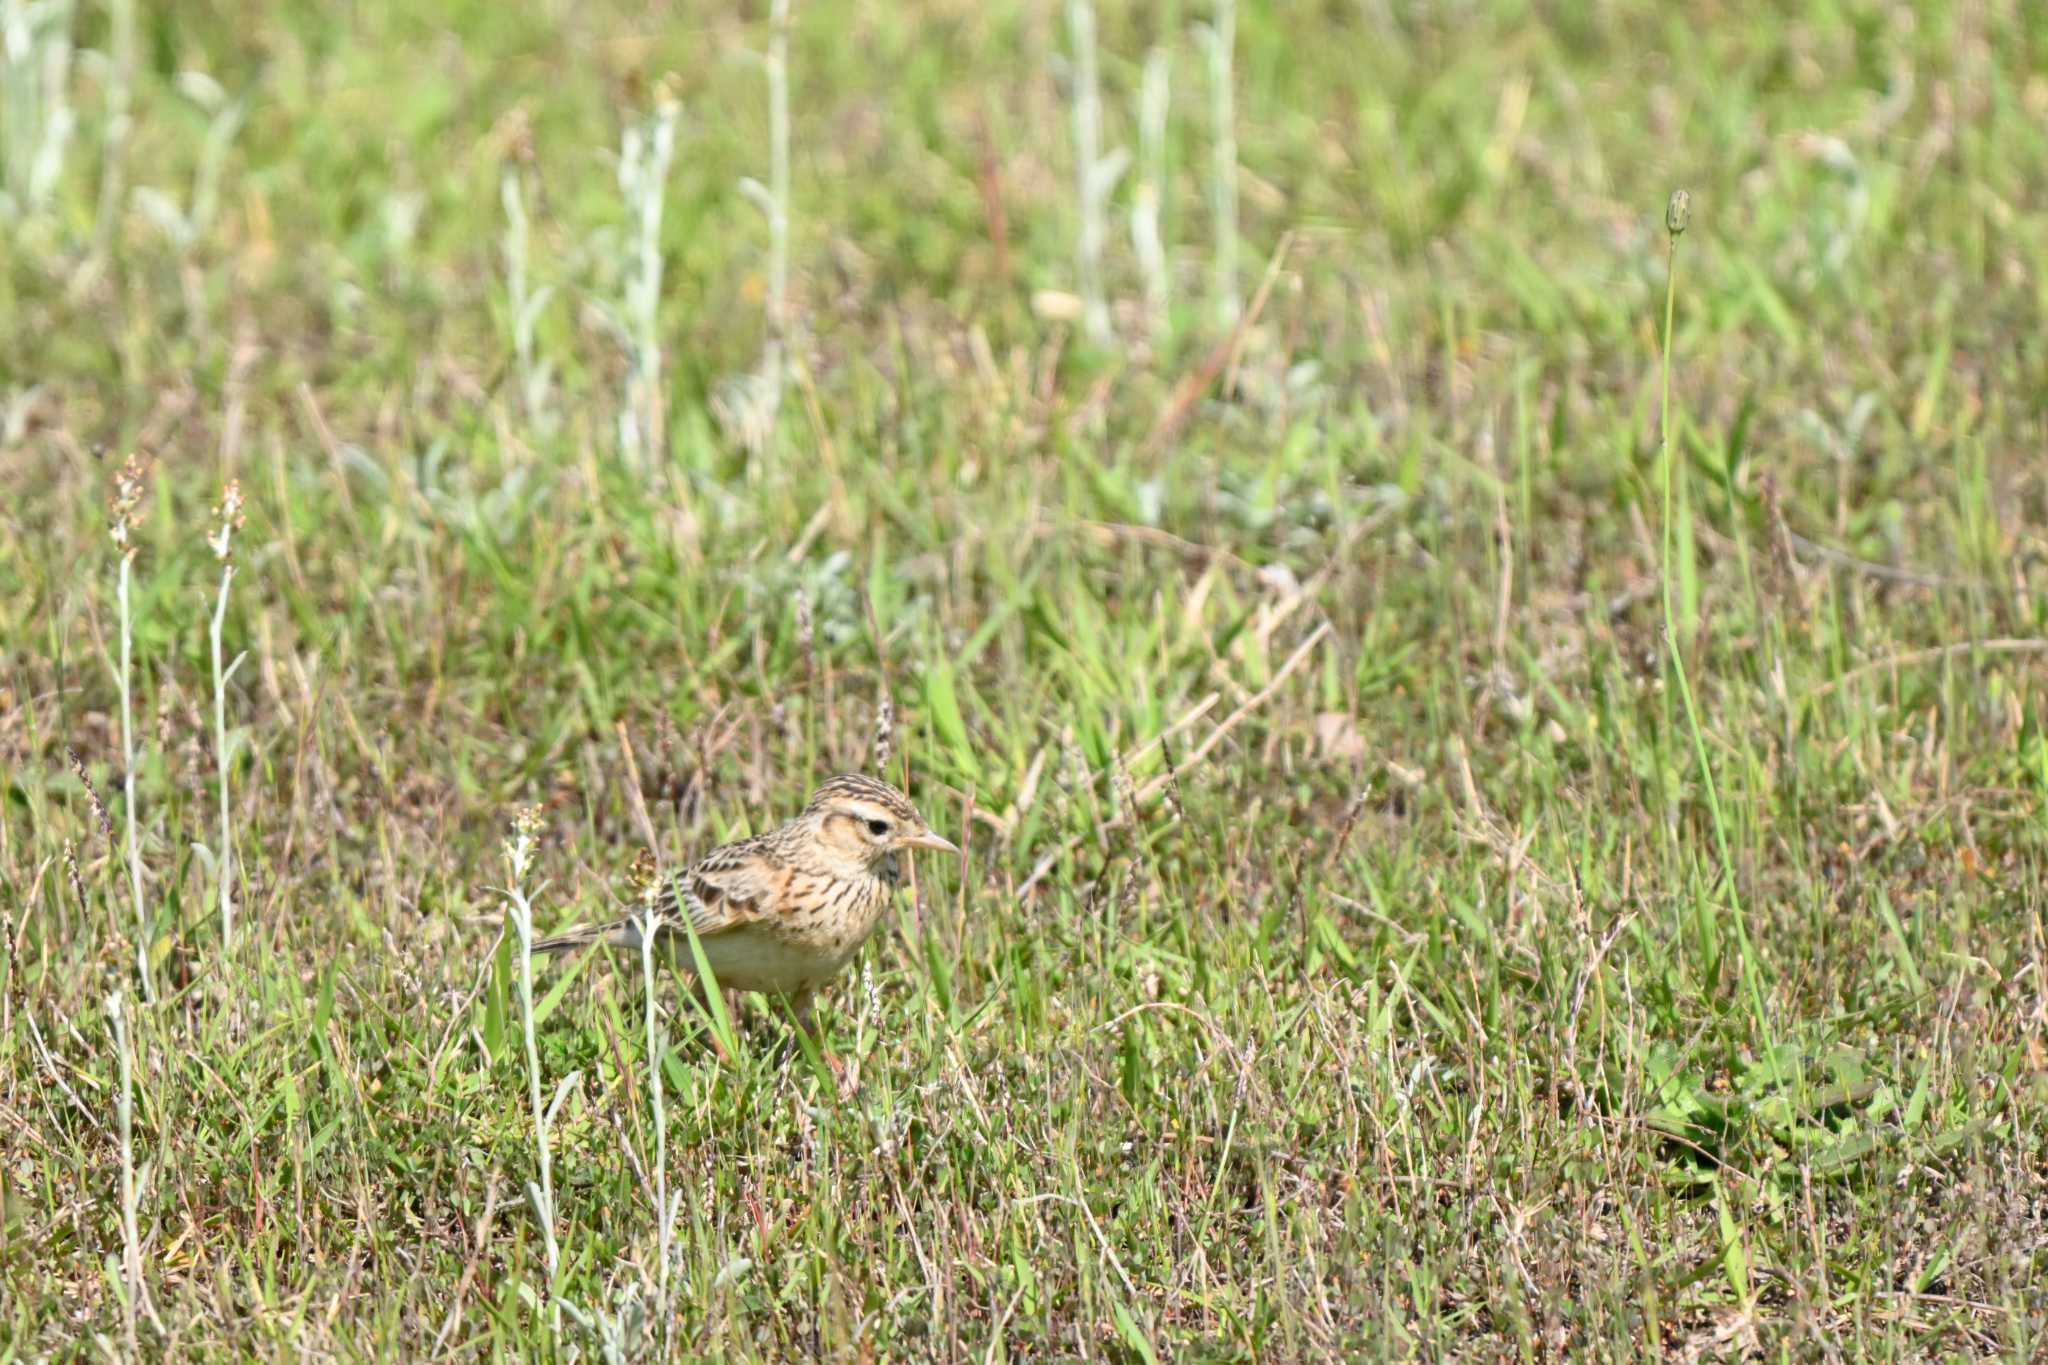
(860, 822)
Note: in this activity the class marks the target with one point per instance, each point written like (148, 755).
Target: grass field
(1461, 864)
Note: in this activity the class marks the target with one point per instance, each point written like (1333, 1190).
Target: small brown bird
(784, 911)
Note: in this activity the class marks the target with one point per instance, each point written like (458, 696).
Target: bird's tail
(622, 933)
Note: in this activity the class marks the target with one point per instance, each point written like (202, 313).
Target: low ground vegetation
(1460, 862)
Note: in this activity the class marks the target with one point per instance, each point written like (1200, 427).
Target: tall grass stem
(1677, 217)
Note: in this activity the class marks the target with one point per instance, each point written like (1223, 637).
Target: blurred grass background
(1412, 1017)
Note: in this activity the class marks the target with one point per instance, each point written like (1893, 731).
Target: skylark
(784, 912)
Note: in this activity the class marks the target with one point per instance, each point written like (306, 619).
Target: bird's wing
(729, 887)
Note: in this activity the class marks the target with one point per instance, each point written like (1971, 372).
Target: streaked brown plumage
(783, 912)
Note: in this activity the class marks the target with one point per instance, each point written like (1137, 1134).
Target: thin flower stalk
(229, 519)
(124, 517)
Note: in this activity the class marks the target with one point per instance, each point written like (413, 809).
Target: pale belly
(753, 957)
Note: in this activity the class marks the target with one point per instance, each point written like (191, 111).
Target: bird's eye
(878, 827)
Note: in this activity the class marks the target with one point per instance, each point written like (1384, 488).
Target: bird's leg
(802, 1006)
(805, 1018)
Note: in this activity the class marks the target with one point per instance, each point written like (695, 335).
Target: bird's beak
(932, 839)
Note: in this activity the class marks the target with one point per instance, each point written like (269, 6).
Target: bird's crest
(859, 788)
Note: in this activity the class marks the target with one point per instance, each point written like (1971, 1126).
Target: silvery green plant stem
(20, 82)
(213, 156)
(187, 225)
(57, 116)
(1222, 38)
(515, 255)
(220, 760)
(1094, 174)
(664, 1214)
(35, 76)
(124, 1127)
(652, 199)
(644, 159)
(1153, 103)
(778, 170)
(543, 1194)
(35, 72)
(526, 302)
(120, 75)
(125, 680)
(765, 392)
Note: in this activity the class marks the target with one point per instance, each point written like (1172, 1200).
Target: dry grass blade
(1913, 658)
(1452, 808)
(1157, 784)
(1221, 356)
